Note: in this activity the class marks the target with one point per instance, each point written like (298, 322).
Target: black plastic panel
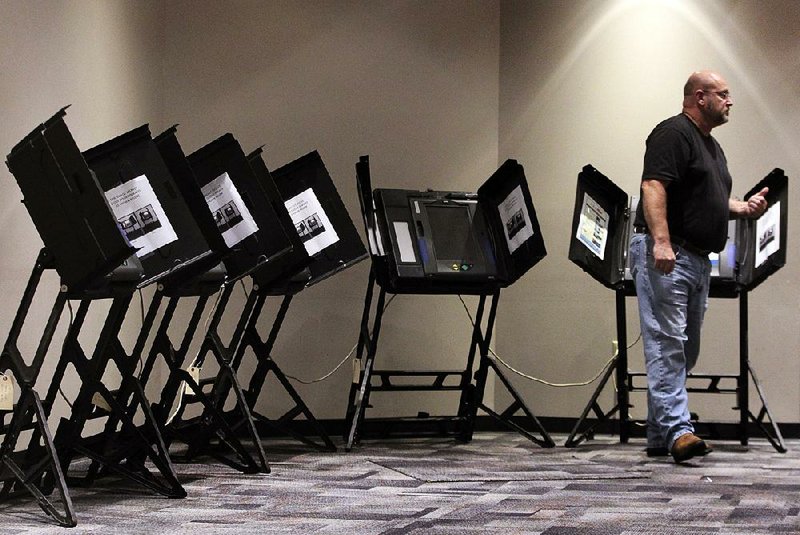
(307, 179)
(67, 204)
(257, 252)
(602, 257)
(154, 208)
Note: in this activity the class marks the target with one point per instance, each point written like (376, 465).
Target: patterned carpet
(499, 483)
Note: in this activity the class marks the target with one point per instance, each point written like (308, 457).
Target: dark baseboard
(387, 428)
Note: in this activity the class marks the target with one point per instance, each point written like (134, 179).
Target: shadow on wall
(636, 42)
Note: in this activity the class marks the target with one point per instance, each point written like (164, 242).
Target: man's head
(707, 99)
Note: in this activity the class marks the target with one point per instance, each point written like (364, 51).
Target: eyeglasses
(724, 95)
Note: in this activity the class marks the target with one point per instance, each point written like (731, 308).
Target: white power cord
(543, 381)
(341, 363)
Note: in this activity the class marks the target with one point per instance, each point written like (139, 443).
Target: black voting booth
(154, 218)
(446, 243)
(601, 230)
(238, 219)
(307, 200)
(92, 259)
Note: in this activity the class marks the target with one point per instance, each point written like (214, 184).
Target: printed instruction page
(768, 233)
(311, 222)
(516, 221)
(140, 215)
(593, 227)
(233, 219)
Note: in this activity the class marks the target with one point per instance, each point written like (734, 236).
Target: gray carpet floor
(498, 483)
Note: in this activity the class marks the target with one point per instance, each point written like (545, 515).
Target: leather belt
(677, 240)
(691, 248)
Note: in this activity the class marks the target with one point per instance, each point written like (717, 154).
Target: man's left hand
(757, 204)
(753, 208)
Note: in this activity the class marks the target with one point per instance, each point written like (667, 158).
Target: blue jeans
(671, 310)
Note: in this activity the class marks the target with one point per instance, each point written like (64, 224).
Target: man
(682, 217)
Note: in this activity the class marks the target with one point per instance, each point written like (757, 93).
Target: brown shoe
(688, 446)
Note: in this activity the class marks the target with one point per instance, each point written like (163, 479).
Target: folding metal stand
(24, 472)
(249, 337)
(197, 432)
(471, 393)
(135, 444)
(619, 367)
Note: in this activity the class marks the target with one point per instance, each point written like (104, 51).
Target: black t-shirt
(695, 173)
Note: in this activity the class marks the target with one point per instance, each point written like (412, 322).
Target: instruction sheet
(233, 219)
(768, 233)
(593, 227)
(312, 223)
(515, 218)
(140, 216)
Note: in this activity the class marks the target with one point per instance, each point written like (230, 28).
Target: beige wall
(585, 82)
(437, 93)
(101, 57)
(104, 59)
(408, 83)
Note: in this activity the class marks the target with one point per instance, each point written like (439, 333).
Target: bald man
(682, 217)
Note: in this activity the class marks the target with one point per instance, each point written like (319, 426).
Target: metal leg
(744, 379)
(29, 407)
(574, 438)
(28, 468)
(506, 417)
(198, 433)
(619, 369)
(472, 394)
(746, 372)
(482, 340)
(361, 398)
(363, 342)
(266, 364)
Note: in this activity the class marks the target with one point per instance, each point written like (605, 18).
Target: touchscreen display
(450, 226)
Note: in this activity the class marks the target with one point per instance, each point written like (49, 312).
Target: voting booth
(453, 242)
(309, 206)
(602, 227)
(154, 219)
(446, 243)
(91, 258)
(237, 220)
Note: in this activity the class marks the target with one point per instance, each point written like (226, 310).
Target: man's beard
(716, 117)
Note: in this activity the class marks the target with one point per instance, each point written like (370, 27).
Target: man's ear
(699, 96)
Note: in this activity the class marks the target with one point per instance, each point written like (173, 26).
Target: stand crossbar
(471, 392)
(584, 430)
(230, 450)
(248, 337)
(126, 453)
(437, 380)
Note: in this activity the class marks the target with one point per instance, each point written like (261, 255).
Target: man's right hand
(663, 257)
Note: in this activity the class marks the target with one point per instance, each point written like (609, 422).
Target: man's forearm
(654, 197)
(736, 208)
